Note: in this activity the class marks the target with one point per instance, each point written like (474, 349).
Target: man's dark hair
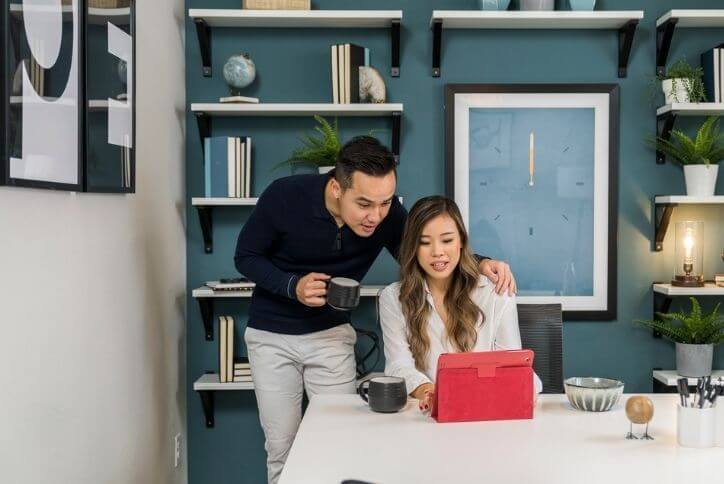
(365, 154)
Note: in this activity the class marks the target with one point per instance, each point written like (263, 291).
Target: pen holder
(695, 427)
(719, 416)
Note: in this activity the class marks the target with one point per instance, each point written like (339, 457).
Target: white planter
(680, 95)
(325, 169)
(700, 179)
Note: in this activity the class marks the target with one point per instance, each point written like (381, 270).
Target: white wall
(92, 298)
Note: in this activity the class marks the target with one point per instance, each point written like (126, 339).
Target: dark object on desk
(343, 293)
(640, 411)
(541, 331)
(385, 394)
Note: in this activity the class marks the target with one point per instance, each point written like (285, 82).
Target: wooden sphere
(640, 409)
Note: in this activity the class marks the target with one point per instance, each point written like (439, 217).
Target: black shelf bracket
(206, 305)
(662, 217)
(436, 47)
(207, 226)
(395, 44)
(625, 42)
(664, 34)
(207, 402)
(396, 128)
(203, 121)
(203, 32)
(662, 304)
(664, 125)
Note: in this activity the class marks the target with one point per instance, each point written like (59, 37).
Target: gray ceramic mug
(384, 394)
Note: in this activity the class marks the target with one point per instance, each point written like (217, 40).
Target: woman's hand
(424, 394)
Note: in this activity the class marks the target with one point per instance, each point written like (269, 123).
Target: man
(304, 230)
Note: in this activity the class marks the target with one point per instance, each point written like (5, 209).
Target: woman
(441, 304)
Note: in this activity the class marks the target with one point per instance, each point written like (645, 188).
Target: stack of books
(242, 370)
(346, 60)
(719, 280)
(226, 349)
(227, 167)
(712, 61)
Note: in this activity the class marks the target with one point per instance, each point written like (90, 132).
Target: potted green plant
(695, 335)
(698, 156)
(320, 151)
(683, 83)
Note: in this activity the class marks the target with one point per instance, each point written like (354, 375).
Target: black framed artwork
(110, 100)
(534, 170)
(68, 110)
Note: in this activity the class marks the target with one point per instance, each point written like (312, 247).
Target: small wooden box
(278, 4)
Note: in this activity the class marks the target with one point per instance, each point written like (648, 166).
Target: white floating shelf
(222, 202)
(476, 19)
(205, 292)
(296, 18)
(669, 377)
(692, 109)
(709, 289)
(685, 200)
(287, 109)
(694, 18)
(211, 382)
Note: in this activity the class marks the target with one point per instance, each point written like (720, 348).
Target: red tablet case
(490, 385)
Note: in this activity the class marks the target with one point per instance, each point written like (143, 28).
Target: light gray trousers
(283, 366)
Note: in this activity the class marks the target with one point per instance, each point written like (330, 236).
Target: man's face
(366, 203)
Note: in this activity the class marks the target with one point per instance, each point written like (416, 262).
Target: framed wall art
(534, 170)
(68, 110)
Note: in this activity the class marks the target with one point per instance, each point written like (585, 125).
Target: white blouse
(498, 332)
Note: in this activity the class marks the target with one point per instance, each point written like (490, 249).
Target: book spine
(248, 167)
(335, 78)
(231, 165)
(207, 167)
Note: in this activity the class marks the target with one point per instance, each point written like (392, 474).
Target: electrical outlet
(176, 450)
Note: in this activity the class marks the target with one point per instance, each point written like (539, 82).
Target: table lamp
(689, 255)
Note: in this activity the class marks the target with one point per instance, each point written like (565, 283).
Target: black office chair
(541, 331)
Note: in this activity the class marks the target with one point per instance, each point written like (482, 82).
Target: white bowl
(592, 394)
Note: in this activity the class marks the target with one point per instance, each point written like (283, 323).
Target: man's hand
(311, 289)
(499, 274)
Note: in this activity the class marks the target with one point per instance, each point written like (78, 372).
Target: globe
(239, 71)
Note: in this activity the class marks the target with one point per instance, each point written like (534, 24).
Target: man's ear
(336, 188)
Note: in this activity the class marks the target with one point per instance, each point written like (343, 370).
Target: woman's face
(438, 250)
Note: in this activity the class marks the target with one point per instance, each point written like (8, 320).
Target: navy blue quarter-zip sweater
(291, 233)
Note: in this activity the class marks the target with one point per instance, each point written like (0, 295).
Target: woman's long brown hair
(462, 312)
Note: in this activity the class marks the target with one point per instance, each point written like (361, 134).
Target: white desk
(340, 438)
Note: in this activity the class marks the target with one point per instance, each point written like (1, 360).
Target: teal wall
(293, 66)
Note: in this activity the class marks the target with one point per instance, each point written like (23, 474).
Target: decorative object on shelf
(582, 4)
(683, 83)
(371, 86)
(494, 4)
(239, 72)
(593, 394)
(699, 156)
(713, 69)
(278, 4)
(639, 411)
(689, 255)
(108, 3)
(320, 151)
(537, 4)
(239, 100)
(343, 293)
(564, 138)
(695, 335)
